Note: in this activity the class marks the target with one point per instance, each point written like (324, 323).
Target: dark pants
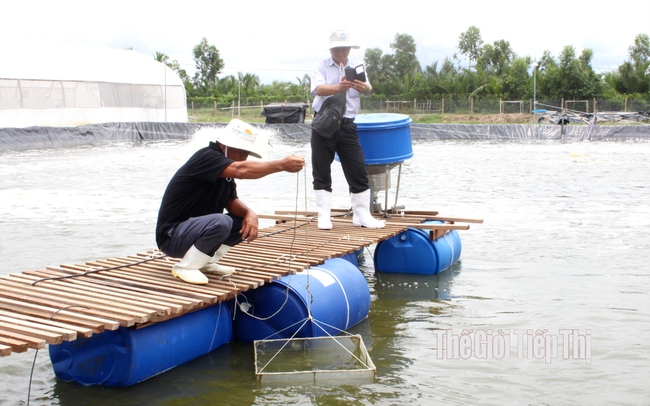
(207, 233)
(345, 143)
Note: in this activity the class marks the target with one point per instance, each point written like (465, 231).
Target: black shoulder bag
(329, 117)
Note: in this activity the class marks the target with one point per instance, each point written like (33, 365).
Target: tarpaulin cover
(499, 131)
(281, 113)
(43, 137)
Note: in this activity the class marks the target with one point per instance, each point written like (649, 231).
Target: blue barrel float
(414, 252)
(385, 138)
(128, 355)
(335, 295)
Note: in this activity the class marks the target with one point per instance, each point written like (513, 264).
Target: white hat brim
(226, 138)
(343, 44)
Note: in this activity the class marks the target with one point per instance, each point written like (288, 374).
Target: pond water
(556, 279)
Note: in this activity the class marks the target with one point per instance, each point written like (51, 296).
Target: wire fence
(440, 106)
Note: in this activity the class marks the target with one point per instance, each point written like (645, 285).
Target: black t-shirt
(196, 190)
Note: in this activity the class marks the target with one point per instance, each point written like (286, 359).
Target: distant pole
(165, 82)
(535, 64)
(239, 100)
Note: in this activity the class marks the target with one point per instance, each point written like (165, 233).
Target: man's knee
(219, 227)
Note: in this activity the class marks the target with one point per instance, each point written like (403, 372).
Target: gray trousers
(207, 233)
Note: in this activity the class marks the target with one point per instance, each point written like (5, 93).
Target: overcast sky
(282, 39)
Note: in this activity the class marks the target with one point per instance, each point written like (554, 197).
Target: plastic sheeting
(499, 131)
(44, 137)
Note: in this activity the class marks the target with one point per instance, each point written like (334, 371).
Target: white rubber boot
(214, 268)
(361, 216)
(324, 205)
(187, 269)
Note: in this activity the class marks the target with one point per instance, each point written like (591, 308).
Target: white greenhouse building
(70, 85)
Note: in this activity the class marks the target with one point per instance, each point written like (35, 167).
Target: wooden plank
(5, 350)
(66, 315)
(224, 286)
(15, 345)
(454, 219)
(289, 217)
(33, 295)
(135, 283)
(92, 300)
(440, 226)
(413, 215)
(35, 343)
(215, 291)
(155, 274)
(170, 284)
(80, 330)
(113, 284)
(244, 260)
(49, 337)
(160, 306)
(66, 334)
(125, 320)
(413, 218)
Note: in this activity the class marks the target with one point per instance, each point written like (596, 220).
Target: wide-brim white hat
(341, 38)
(240, 135)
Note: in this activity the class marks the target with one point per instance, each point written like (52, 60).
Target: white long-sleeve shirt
(327, 72)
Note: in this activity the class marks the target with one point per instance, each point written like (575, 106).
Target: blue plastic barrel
(414, 252)
(353, 257)
(336, 294)
(385, 138)
(127, 356)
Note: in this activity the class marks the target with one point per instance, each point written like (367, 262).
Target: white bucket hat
(239, 135)
(341, 38)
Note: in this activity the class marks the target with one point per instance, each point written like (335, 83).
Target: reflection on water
(564, 245)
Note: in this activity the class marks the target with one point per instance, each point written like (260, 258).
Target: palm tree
(248, 82)
(160, 57)
(305, 85)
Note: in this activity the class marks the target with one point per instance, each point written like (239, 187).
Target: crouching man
(192, 224)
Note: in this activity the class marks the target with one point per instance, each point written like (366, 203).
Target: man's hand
(293, 163)
(360, 86)
(249, 227)
(345, 85)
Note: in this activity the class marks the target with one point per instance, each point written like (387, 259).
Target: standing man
(328, 78)
(191, 220)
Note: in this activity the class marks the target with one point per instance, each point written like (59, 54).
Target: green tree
(452, 82)
(571, 77)
(516, 79)
(160, 57)
(176, 67)
(208, 65)
(249, 83)
(378, 69)
(469, 44)
(226, 85)
(182, 73)
(633, 76)
(405, 62)
(640, 51)
(495, 57)
(304, 84)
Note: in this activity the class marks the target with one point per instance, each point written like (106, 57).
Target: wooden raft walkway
(61, 303)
